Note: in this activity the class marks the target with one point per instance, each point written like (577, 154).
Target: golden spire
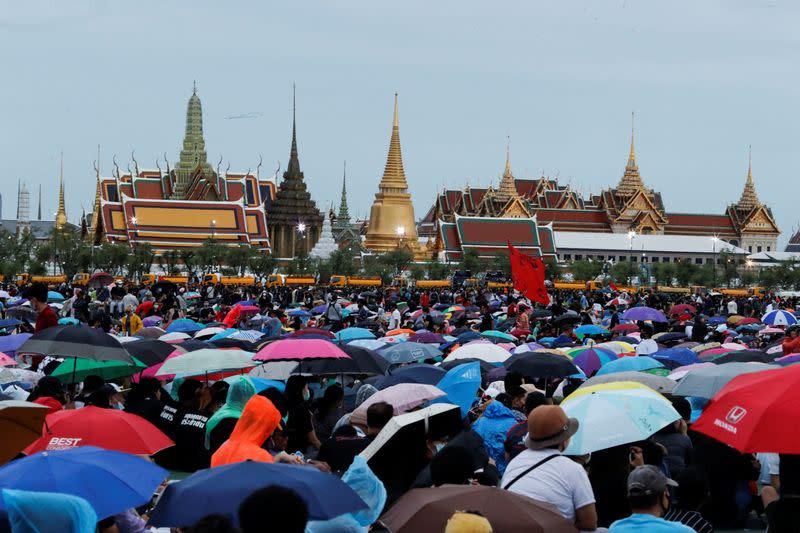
(394, 177)
(749, 198)
(631, 181)
(61, 215)
(507, 188)
(96, 214)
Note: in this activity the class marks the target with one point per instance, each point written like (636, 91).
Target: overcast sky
(705, 79)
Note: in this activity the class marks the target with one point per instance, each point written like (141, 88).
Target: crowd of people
(512, 433)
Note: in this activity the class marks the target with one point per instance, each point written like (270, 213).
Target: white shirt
(733, 308)
(394, 321)
(560, 482)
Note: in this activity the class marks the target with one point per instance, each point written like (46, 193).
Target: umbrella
(638, 363)
(407, 352)
(22, 312)
(184, 325)
(4, 294)
(209, 332)
(352, 334)
(276, 370)
(429, 510)
(230, 342)
(633, 410)
(644, 313)
(460, 384)
(399, 331)
(207, 360)
(743, 356)
(362, 361)
(541, 365)
(53, 296)
(164, 287)
(674, 357)
(100, 279)
(109, 429)
(484, 366)
(76, 370)
(369, 344)
(617, 346)
(393, 438)
(491, 353)
(222, 489)
(6, 360)
(591, 359)
(150, 321)
(299, 349)
(174, 337)
(427, 338)
(498, 335)
(756, 412)
(76, 341)
(590, 329)
(705, 382)
(779, 317)
(625, 328)
(402, 397)
(7, 323)
(149, 351)
(20, 424)
(425, 374)
(151, 332)
(11, 343)
(315, 331)
(570, 317)
(249, 335)
(112, 482)
(682, 309)
(788, 359)
(669, 336)
(467, 336)
(660, 384)
(302, 313)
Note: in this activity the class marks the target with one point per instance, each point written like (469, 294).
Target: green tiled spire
(343, 217)
(193, 152)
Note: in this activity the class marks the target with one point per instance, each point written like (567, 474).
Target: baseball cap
(646, 480)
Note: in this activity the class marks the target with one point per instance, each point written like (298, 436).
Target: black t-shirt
(339, 452)
(221, 432)
(298, 426)
(187, 427)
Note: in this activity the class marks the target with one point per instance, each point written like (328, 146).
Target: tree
(112, 257)
(262, 264)
(67, 251)
(299, 265)
(17, 253)
(169, 261)
(586, 270)
(685, 271)
(620, 271)
(436, 270)
(728, 265)
(551, 269)
(189, 260)
(210, 255)
(399, 259)
(470, 261)
(342, 262)
(663, 273)
(238, 258)
(140, 260)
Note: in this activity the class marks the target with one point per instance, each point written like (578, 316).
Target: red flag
(613, 287)
(528, 275)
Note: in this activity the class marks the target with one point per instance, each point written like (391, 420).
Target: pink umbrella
(249, 309)
(403, 397)
(6, 360)
(770, 331)
(152, 371)
(715, 351)
(507, 345)
(299, 349)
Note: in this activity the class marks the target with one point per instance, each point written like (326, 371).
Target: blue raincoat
(493, 426)
(42, 512)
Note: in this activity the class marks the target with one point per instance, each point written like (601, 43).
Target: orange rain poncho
(259, 419)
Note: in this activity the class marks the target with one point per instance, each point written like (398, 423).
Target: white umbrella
(4, 294)
(208, 332)
(175, 336)
(277, 370)
(403, 397)
(207, 360)
(491, 353)
(397, 423)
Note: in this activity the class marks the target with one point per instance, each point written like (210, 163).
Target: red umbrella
(313, 331)
(100, 279)
(748, 320)
(757, 412)
(110, 429)
(625, 328)
(681, 309)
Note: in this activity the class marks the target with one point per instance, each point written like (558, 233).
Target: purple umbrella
(427, 338)
(151, 321)
(644, 313)
(591, 359)
(788, 359)
(10, 343)
(319, 309)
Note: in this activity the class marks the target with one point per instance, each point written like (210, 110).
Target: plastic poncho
(42, 512)
(370, 489)
(493, 426)
(259, 419)
(239, 393)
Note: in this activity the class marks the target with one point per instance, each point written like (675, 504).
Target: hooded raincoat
(493, 426)
(241, 390)
(259, 419)
(41, 512)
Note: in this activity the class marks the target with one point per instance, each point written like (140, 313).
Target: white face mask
(119, 405)
(439, 446)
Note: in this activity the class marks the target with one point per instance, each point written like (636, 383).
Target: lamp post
(301, 229)
(213, 229)
(631, 236)
(714, 240)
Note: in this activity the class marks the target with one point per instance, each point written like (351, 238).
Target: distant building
(174, 208)
(346, 233)
(42, 230)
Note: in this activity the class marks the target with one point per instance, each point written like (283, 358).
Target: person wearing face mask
(131, 323)
(300, 422)
(648, 494)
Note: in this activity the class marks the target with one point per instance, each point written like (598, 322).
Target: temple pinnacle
(632, 155)
(61, 215)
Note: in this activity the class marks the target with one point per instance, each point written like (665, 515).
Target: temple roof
(394, 176)
(508, 188)
(193, 153)
(749, 198)
(61, 215)
(631, 180)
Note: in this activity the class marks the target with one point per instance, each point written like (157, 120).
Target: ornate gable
(640, 202)
(515, 209)
(759, 221)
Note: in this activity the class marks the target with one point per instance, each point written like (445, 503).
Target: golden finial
(395, 123)
(750, 163)
(508, 155)
(61, 215)
(632, 155)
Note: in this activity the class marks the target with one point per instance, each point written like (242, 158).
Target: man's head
(378, 415)
(284, 509)
(549, 427)
(129, 310)
(453, 465)
(647, 490)
(37, 295)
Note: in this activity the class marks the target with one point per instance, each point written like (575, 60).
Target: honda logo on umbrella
(736, 414)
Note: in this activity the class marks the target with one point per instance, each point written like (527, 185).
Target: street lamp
(631, 236)
(213, 229)
(714, 241)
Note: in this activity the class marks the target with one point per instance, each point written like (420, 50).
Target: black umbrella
(419, 373)
(744, 356)
(100, 279)
(191, 345)
(671, 336)
(227, 342)
(164, 287)
(485, 367)
(541, 313)
(22, 312)
(369, 324)
(362, 362)
(81, 342)
(149, 351)
(570, 317)
(541, 365)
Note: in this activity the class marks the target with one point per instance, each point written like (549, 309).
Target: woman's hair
(294, 390)
(48, 386)
(332, 396)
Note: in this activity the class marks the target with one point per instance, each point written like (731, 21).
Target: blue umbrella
(626, 364)
(299, 312)
(222, 334)
(354, 334)
(184, 325)
(9, 323)
(10, 343)
(221, 490)
(717, 320)
(779, 317)
(591, 329)
(406, 352)
(468, 336)
(68, 321)
(53, 297)
(422, 374)
(675, 357)
(460, 384)
(110, 481)
(644, 313)
(498, 335)
(318, 310)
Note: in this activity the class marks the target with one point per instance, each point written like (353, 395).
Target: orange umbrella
(399, 331)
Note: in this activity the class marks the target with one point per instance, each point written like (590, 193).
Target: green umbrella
(75, 370)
